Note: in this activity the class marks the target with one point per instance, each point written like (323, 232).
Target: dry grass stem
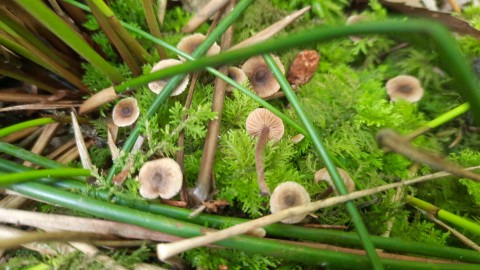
(13, 137)
(271, 30)
(40, 106)
(97, 100)
(456, 233)
(72, 154)
(62, 149)
(167, 250)
(53, 222)
(43, 140)
(204, 14)
(82, 148)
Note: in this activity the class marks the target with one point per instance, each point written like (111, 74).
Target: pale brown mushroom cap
(262, 117)
(125, 112)
(157, 86)
(162, 177)
(404, 87)
(324, 175)
(189, 43)
(260, 76)
(237, 75)
(353, 19)
(286, 195)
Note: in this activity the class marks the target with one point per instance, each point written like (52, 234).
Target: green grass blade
(26, 155)
(444, 215)
(176, 79)
(332, 169)
(280, 230)
(50, 20)
(27, 124)
(13, 178)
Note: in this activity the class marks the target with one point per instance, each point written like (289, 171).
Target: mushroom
(286, 195)
(162, 177)
(260, 76)
(404, 87)
(189, 43)
(125, 112)
(157, 86)
(297, 138)
(263, 124)
(353, 19)
(324, 175)
(237, 75)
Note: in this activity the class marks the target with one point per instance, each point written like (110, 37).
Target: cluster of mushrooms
(163, 177)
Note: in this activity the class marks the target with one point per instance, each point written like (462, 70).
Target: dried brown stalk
(204, 14)
(203, 186)
(53, 222)
(13, 137)
(167, 250)
(43, 140)
(271, 30)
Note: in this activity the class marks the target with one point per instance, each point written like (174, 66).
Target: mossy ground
(347, 102)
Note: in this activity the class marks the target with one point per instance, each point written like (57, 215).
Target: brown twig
(204, 179)
(401, 145)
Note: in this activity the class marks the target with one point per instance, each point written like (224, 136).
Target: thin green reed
(332, 169)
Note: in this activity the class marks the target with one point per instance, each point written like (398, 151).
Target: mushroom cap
(262, 117)
(189, 43)
(324, 175)
(125, 112)
(353, 19)
(404, 87)
(286, 195)
(162, 177)
(237, 75)
(157, 86)
(260, 76)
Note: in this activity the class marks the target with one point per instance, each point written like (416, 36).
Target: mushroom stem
(262, 139)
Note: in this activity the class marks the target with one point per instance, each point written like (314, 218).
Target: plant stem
(13, 178)
(27, 124)
(262, 140)
(50, 20)
(279, 230)
(173, 82)
(48, 236)
(440, 120)
(213, 71)
(204, 179)
(329, 164)
(153, 25)
(401, 145)
(445, 215)
(261, 246)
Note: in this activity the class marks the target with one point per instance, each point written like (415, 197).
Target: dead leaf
(455, 24)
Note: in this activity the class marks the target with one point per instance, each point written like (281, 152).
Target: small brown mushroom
(260, 76)
(125, 112)
(157, 86)
(297, 138)
(324, 175)
(189, 43)
(303, 67)
(237, 75)
(404, 87)
(265, 125)
(286, 195)
(162, 177)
